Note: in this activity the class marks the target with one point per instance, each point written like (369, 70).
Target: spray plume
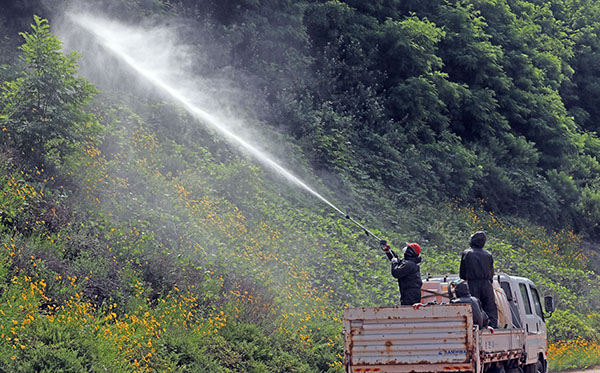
(124, 41)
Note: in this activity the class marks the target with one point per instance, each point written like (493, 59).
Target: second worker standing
(477, 267)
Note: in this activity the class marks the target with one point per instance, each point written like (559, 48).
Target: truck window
(515, 316)
(525, 297)
(506, 287)
(536, 302)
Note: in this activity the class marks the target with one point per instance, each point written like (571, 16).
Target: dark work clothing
(464, 296)
(476, 264)
(408, 273)
(477, 267)
(483, 290)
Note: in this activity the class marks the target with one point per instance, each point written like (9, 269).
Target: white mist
(153, 54)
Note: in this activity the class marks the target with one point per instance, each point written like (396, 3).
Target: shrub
(569, 325)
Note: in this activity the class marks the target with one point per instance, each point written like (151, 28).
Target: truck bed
(432, 338)
(504, 344)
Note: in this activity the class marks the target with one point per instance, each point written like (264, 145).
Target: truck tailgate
(402, 339)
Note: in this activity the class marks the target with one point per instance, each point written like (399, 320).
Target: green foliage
(257, 353)
(565, 325)
(589, 208)
(41, 115)
(65, 349)
(408, 48)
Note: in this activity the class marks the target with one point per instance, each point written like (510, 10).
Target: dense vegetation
(389, 90)
(134, 239)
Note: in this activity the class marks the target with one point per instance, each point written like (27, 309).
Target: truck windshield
(525, 297)
(536, 302)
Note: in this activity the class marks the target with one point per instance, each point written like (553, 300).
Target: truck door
(531, 324)
(540, 325)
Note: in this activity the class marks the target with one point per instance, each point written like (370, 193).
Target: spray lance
(383, 243)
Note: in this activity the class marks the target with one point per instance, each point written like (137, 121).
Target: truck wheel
(538, 367)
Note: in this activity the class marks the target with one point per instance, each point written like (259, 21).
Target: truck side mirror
(549, 304)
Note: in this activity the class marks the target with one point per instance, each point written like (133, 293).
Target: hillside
(135, 237)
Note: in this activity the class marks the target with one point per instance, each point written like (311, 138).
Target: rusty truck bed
(436, 338)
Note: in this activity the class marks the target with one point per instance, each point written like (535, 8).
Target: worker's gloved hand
(384, 245)
(417, 305)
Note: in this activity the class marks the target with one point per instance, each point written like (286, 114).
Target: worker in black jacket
(463, 295)
(477, 267)
(407, 271)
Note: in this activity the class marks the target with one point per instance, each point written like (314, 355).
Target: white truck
(441, 337)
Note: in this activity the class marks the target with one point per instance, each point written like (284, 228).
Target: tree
(42, 111)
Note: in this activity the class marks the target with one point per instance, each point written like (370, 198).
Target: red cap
(416, 247)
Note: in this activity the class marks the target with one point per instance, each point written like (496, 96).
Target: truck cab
(526, 311)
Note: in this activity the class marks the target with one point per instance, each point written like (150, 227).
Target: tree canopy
(41, 112)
